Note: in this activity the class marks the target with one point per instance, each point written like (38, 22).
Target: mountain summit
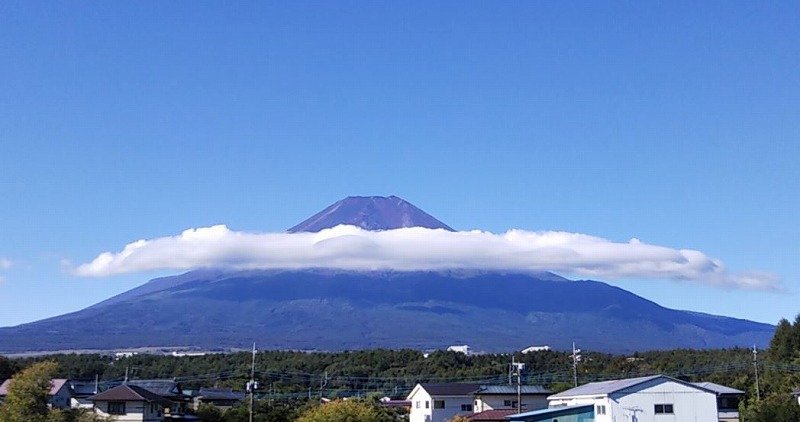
(370, 213)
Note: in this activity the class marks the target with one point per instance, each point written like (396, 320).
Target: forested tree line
(288, 379)
(390, 370)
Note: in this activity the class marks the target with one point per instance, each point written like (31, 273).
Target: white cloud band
(407, 249)
(5, 263)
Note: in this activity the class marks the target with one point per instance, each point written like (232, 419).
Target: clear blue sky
(676, 123)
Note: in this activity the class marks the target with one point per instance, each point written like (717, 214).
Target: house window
(427, 404)
(664, 409)
(417, 404)
(600, 409)
(510, 403)
(466, 408)
(438, 404)
(116, 407)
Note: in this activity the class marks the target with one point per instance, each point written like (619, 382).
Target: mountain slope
(370, 213)
(336, 310)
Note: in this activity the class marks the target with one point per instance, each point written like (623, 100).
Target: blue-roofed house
(656, 398)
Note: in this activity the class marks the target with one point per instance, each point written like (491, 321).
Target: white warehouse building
(655, 398)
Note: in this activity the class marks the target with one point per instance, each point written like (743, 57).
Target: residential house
(491, 415)
(440, 402)
(130, 403)
(59, 395)
(500, 397)
(796, 393)
(655, 398)
(727, 400)
(170, 390)
(223, 398)
(81, 391)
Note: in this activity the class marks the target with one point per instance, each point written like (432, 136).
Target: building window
(427, 404)
(600, 409)
(510, 403)
(417, 404)
(466, 408)
(116, 407)
(438, 404)
(664, 409)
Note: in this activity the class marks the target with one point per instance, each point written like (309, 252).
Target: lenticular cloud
(409, 249)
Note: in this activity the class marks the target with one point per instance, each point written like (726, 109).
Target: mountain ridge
(335, 309)
(342, 310)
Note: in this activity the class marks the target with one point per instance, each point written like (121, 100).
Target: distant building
(531, 349)
(185, 354)
(796, 393)
(459, 349)
(121, 355)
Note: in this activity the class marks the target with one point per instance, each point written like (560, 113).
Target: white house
(59, 396)
(796, 393)
(655, 398)
(440, 402)
(130, 403)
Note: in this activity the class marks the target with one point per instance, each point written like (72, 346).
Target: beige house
(130, 403)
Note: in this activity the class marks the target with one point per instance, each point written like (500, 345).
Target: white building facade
(440, 402)
(648, 399)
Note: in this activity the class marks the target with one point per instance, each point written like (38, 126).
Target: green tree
(7, 368)
(774, 408)
(28, 395)
(345, 411)
(210, 413)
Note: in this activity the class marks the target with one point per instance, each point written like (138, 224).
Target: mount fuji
(330, 309)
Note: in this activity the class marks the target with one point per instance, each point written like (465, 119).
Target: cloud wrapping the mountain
(408, 249)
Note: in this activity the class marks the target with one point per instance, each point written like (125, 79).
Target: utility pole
(516, 369)
(755, 366)
(322, 384)
(251, 386)
(575, 359)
